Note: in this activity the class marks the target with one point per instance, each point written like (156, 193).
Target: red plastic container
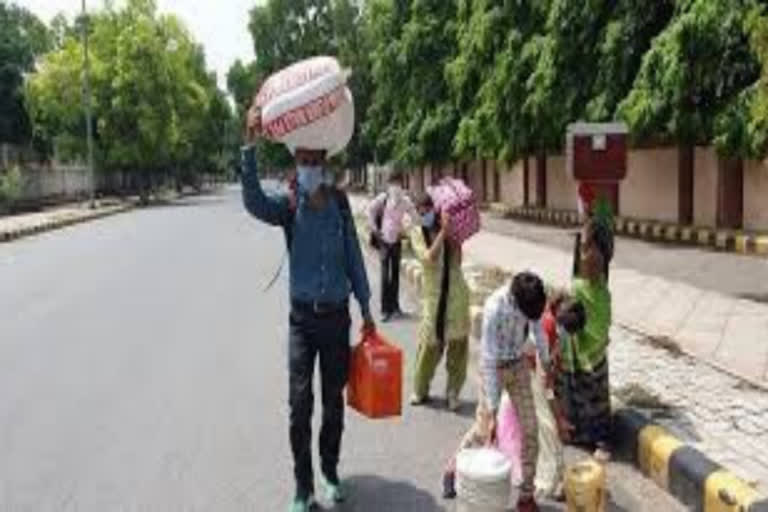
(376, 377)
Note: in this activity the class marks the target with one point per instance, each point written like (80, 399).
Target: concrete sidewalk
(725, 331)
(728, 332)
(18, 226)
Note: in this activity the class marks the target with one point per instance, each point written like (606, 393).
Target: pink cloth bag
(456, 198)
(509, 438)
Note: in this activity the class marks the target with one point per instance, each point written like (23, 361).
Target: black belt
(319, 307)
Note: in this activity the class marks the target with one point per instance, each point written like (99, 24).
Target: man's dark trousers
(390, 277)
(324, 334)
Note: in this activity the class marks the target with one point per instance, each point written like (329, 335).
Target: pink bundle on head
(458, 200)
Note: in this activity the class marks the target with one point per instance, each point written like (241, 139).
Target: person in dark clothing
(385, 219)
(325, 262)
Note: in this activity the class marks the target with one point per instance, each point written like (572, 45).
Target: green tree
(23, 37)
(353, 49)
(562, 82)
(694, 68)
(242, 81)
(496, 55)
(412, 116)
(383, 21)
(626, 38)
(157, 111)
(742, 129)
(691, 81)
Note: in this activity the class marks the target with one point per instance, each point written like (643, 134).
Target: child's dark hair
(528, 290)
(425, 201)
(572, 316)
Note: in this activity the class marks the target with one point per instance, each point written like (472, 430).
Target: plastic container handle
(371, 338)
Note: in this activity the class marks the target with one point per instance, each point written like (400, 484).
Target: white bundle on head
(308, 105)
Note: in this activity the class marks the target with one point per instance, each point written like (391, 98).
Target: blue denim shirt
(325, 260)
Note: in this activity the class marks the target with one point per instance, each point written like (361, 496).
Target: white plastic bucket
(482, 480)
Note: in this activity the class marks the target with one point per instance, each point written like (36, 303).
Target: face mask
(309, 178)
(395, 191)
(428, 219)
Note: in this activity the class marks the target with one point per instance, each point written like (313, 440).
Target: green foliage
(626, 38)
(520, 71)
(22, 38)
(156, 109)
(10, 185)
(411, 118)
(568, 60)
(433, 80)
(743, 128)
(693, 73)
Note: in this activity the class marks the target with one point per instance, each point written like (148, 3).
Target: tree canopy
(23, 37)
(433, 80)
(156, 108)
(453, 79)
(693, 72)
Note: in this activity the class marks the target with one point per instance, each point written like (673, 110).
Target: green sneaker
(334, 492)
(302, 504)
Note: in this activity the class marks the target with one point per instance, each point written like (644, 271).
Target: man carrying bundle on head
(326, 261)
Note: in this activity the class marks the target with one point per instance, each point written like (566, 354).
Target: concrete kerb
(683, 471)
(723, 240)
(761, 245)
(58, 223)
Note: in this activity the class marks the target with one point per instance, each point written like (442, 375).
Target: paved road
(733, 274)
(142, 367)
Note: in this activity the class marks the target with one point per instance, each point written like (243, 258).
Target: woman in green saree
(583, 385)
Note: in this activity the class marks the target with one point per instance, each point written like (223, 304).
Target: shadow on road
(375, 494)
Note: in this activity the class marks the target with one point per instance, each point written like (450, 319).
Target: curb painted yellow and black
(50, 225)
(721, 239)
(683, 471)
